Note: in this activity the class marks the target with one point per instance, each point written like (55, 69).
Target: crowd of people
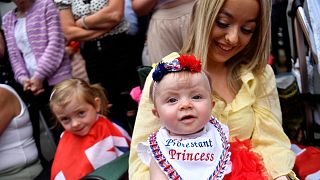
(211, 87)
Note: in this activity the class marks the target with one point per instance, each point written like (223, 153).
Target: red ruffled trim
(246, 165)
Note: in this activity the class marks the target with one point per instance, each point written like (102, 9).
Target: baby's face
(183, 102)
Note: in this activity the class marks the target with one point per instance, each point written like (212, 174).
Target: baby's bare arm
(155, 171)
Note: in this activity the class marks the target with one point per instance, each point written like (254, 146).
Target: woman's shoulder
(268, 70)
(7, 93)
(7, 16)
(266, 73)
(258, 82)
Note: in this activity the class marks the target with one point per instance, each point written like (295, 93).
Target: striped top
(47, 43)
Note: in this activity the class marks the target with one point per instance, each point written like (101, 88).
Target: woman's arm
(53, 53)
(18, 66)
(268, 137)
(73, 32)
(10, 108)
(106, 18)
(143, 7)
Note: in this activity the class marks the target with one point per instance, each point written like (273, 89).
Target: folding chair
(115, 170)
(306, 59)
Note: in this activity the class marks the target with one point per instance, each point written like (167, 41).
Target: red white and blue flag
(78, 156)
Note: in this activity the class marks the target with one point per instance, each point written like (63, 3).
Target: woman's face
(233, 29)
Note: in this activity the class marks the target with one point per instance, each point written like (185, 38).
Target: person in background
(6, 74)
(136, 31)
(77, 61)
(232, 39)
(18, 151)
(106, 48)
(2, 45)
(90, 139)
(36, 51)
(167, 27)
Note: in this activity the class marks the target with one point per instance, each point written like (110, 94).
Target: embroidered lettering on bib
(180, 158)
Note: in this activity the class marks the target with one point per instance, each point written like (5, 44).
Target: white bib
(204, 157)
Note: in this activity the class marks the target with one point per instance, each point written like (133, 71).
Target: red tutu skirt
(246, 165)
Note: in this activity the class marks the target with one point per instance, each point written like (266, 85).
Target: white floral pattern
(79, 9)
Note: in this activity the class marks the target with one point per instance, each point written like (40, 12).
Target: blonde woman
(232, 38)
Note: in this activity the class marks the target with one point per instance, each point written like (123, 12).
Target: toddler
(90, 139)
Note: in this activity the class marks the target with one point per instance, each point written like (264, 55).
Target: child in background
(90, 139)
(191, 143)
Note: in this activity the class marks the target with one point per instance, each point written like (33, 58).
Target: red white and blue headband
(182, 63)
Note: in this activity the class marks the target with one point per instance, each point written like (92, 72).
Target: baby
(191, 143)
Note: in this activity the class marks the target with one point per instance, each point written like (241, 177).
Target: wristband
(83, 22)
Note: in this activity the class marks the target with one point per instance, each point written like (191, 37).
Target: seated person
(18, 151)
(90, 139)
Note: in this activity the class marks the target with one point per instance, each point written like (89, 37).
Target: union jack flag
(78, 156)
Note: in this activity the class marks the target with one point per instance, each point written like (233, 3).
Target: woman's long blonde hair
(253, 57)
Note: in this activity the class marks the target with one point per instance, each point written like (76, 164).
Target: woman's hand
(26, 84)
(281, 178)
(36, 86)
(73, 31)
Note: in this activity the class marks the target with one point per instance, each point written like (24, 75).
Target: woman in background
(36, 51)
(18, 151)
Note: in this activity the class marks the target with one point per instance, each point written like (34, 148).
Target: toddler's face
(183, 103)
(78, 116)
